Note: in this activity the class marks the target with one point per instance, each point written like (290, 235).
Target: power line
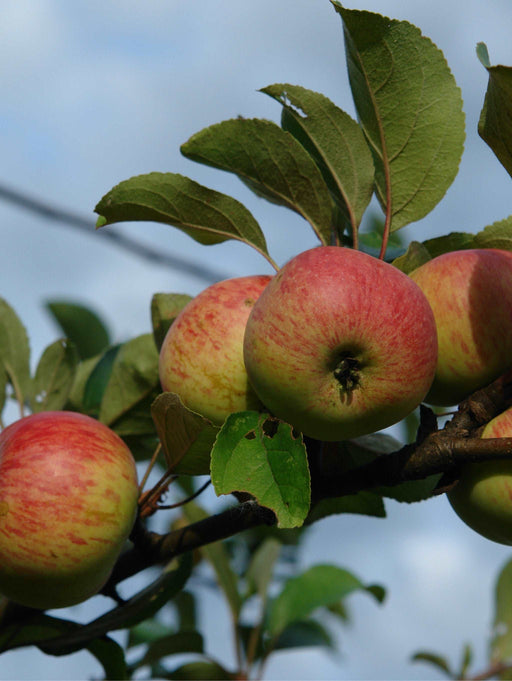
(55, 214)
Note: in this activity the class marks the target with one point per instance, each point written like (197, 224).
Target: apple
(68, 501)
(470, 293)
(201, 358)
(482, 497)
(340, 344)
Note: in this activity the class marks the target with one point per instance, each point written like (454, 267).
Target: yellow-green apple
(482, 497)
(340, 344)
(470, 293)
(201, 358)
(68, 501)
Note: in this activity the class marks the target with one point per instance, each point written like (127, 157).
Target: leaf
(146, 632)
(54, 376)
(497, 235)
(81, 326)
(14, 351)
(415, 256)
(412, 491)
(187, 438)
(270, 160)
(172, 644)
(259, 455)
(134, 377)
(455, 241)
(218, 557)
(320, 586)
(304, 634)
(363, 503)
(165, 307)
(410, 109)
(135, 610)
(501, 643)
(200, 671)
(495, 123)
(466, 662)
(207, 216)
(336, 143)
(435, 660)
(261, 568)
(97, 381)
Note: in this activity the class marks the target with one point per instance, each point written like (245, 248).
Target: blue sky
(95, 92)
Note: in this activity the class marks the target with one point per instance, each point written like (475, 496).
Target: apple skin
(470, 293)
(340, 344)
(201, 358)
(483, 496)
(68, 501)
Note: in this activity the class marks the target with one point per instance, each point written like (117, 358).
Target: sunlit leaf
(54, 376)
(335, 141)
(133, 377)
(269, 160)
(207, 216)
(256, 454)
(410, 109)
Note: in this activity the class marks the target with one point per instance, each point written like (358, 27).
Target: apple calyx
(347, 372)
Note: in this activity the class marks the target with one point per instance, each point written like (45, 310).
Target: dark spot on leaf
(270, 427)
(251, 435)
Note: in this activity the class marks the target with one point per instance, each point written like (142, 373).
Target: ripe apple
(201, 358)
(68, 500)
(340, 344)
(483, 496)
(470, 293)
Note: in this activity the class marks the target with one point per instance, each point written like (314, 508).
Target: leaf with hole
(262, 456)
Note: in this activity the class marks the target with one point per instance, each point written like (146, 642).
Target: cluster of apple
(340, 344)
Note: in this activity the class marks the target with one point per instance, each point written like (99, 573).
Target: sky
(95, 92)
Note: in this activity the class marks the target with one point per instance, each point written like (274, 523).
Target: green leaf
(187, 438)
(261, 568)
(336, 143)
(497, 235)
(82, 326)
(54, 376)
(466, 662)
(363, 503)
(259, 455)
(410, 109)
(165, 307)
(97, 380)
(304, 634)
(435, 660)
(133, 377)
(146, 632)
(320, 586)
(207, 216)
(495, 124)
(200, 671)
(455, 241)
(415, 256)
(140, 607)
(172, 644)
(269, 160)
(501, 643)
(14, 352)
(217, 555)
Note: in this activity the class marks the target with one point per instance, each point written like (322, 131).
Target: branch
(435, 451)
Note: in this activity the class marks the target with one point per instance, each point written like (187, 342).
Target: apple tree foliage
(272, 483)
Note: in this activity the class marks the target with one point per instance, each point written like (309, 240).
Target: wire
(50, 212)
